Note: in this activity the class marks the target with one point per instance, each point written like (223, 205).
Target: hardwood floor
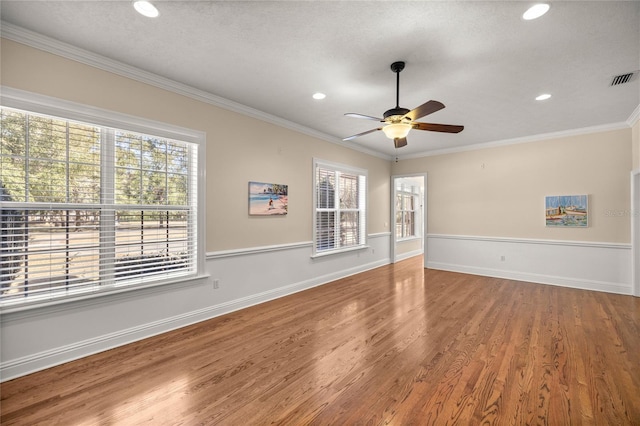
(396, 345)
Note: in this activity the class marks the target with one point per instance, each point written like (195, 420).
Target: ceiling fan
(399, 121)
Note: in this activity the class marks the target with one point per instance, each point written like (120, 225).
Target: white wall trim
(65, 50)
(256, 250)
(43, 104)
(23, 311)
(635, 231)
(278, 247)
(583, 284)
(424, 200)
(622, 246)
(380, 234)
(577, 264)
(408, 255)
(524, 139)
(49, 358)
(634, 117)
(247, 278)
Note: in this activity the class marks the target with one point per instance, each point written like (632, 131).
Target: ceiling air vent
(623, 78)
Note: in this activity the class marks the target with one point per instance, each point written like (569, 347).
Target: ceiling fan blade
(444, 128)
(424, 109)
(400, 142)
(366, 117)
(361, 134)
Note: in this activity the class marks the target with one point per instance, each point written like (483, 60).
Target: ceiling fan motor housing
(395, 111)
(395, 114)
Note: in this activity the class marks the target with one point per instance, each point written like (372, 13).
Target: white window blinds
(406, 211)
(87, 208)
(340, 207)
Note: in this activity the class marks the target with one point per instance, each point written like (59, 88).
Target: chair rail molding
(598, 266)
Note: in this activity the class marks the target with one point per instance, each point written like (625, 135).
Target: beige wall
(239, 149)
(500, 191)
(505, 198)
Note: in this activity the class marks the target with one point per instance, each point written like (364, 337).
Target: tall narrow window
(88, 208)
(407, 209)
(339, 207)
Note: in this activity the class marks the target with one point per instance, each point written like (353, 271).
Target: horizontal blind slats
(58, 234)
(340, 220)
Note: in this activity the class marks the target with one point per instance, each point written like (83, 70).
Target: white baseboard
(407, 255)
(247, 277)
(585, 265)
(582, 284)
(20, 331)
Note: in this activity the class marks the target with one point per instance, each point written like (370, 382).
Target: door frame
(635, 232)
(392, 222)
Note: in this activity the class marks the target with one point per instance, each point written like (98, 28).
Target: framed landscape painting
(267, 199)
(570, 211)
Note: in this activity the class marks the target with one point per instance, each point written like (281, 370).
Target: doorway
(408, 216)
(635, 232)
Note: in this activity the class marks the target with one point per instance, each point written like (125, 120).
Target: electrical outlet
(216, 284)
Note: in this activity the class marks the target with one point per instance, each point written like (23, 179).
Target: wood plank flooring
(398, 345)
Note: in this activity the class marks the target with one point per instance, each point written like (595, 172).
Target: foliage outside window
(86, 208)
(406, 211)
(339, 207)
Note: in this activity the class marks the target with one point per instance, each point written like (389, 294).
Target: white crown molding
(65, 50)
(43, 104)
(524, 139)
(47, 44)
(634, 117)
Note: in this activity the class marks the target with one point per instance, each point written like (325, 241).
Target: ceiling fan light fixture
(145, 8)
(396, 130)
(399, 121)
(535, 11)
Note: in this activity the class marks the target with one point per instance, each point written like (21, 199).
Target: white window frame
(414, 192)
(67, 110)
(362, 206)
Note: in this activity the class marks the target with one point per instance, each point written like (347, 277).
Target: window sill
(338, 251)
(122, 292)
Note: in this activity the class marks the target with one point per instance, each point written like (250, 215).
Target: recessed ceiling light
(319, 96)
(145, 8)
(543, 97)
(535, 11)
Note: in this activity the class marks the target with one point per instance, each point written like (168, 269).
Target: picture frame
(567, 211)
(268, 199)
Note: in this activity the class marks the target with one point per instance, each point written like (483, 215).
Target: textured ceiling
(480, 59)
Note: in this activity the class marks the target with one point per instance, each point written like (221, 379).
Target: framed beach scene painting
(571, 211)
(267, 199)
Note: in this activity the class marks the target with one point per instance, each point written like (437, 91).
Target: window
(340, 199)
(407, 210)
(87, 208)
